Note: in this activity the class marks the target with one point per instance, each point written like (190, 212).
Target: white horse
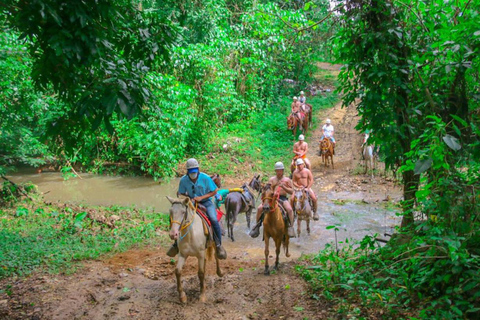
(187, 229)
(302, 208)
(368, 155)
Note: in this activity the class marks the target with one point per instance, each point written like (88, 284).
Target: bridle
(184, 224)
(274, 200)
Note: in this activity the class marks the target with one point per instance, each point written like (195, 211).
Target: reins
(188, 224)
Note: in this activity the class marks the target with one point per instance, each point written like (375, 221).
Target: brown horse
(274, 225)
(309, 112)
(294, 123)
(326, 150)
(302, 208)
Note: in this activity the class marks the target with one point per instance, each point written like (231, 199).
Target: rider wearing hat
(199, 187)
(302, 97)
(303, 178)
(300, 149)
(284, 185)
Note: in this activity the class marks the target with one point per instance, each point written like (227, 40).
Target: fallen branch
(19, 188)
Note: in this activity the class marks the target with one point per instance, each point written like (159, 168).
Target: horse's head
(216, 180)
(255, 183)
(291, 121)
(267, 197)
(178, 212)
(324, 145)
(298, 199)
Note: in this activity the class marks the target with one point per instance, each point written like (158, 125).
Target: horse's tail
(211, 251)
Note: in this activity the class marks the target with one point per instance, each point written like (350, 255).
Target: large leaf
(452, 142)
(422, 165)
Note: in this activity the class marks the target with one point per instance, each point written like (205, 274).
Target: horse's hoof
(183, 298)
(266, 272)
(202, 298)
(219, 273)
(288, 254)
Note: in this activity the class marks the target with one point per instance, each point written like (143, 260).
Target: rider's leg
(255, 232)
(315, 206)
(307, 163)
(288, 208)
(217, 231)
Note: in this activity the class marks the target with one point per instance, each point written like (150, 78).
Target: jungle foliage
(415, 68)
(146, 83)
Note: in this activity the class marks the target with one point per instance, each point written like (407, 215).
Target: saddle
(207, 225)
(247, 197)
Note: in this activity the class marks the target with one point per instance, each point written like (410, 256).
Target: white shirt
(327, 131)
(302, 99)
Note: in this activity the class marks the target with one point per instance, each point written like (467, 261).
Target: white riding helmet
(299, 161)
(192, 163)
(301, 92)
(295, 98)
(329, 121)
(301, 137)
(279, 166)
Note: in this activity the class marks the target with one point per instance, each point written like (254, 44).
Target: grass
(54, 238)
(255, 144)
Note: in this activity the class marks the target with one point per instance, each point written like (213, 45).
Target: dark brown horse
(274, 226)
(309, 112)
(326, 150)
(237, 202)
(294, 123)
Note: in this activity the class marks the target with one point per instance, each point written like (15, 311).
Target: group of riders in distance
(195, 215)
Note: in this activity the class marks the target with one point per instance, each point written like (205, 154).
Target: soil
(140, 283)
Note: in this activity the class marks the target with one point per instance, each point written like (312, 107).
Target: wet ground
(139, 284)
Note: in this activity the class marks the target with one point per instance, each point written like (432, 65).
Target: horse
(236, 202)
(309, 111)
(368, 155)
(274, 225)
(187, 228)
(302, 208)
(326, 150)
(293, 123)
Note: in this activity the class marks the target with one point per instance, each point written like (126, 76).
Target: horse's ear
(172, 201)
(186, 201)
(258, 177)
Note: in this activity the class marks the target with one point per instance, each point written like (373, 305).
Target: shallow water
(353, 219)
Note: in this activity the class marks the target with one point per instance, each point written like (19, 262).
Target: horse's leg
(248, 214)
(201, 275)
(331, 158)
(278, 246)
(299, 226)
(286, 243)
(178, 274)
(234, 219)
(229, 215)
(308, 226)
(266, 271)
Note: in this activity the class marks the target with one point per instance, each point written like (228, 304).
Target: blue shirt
(201, 187)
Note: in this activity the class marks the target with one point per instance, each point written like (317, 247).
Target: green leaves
(423, 165)
(452, 142)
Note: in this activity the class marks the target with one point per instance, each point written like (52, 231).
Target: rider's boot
(315, 213)
(173, 251)
(221, 253)
(255, 232)
(290, 231)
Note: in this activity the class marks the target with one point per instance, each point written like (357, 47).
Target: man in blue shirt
(200, 188)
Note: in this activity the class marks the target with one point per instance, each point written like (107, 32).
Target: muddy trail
(140, 283)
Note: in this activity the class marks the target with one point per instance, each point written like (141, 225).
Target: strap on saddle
(207, 225)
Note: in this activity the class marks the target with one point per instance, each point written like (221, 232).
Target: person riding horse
(300, 149)
(328, 132)
(303, 178)
(285, 188)
(199, 187)
(297, 110)
(302, 98)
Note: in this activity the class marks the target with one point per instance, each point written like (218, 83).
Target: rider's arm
(206, 196)
(286, 186)
(310, 180)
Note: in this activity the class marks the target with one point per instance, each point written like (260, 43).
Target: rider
(300, 149)
(302, 177)
(200, 188)
(297, 109)
(302, 97)
(285, 188)
(328, 132)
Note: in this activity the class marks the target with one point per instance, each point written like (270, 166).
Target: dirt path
(140, 283)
